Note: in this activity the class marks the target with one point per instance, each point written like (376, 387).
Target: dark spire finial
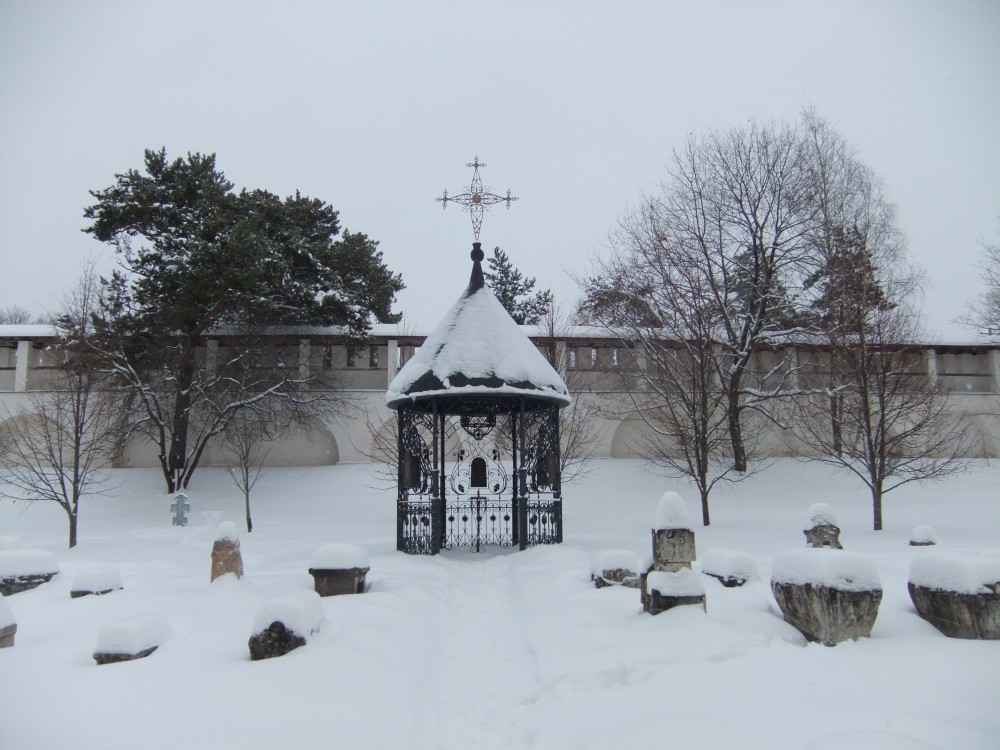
(477, 281)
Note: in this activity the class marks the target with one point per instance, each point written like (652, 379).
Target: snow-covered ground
(496, 650)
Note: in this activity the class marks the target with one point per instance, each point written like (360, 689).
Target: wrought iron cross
(477, 199)
(180, 507)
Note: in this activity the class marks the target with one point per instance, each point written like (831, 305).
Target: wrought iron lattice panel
(477, 522)
(544, 522)
(416, 528)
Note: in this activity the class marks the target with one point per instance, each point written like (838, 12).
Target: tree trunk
(736, 437)
(246, 498)
(72, 528)
(877, 505)
(705, 520)
(836, 414)
(177, 460)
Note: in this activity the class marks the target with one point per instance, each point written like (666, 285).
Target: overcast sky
(376, 107)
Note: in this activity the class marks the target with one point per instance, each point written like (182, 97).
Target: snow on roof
(477, 348)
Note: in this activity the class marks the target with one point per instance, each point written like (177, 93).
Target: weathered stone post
(226, 556)
(670, 581)
(823, 530)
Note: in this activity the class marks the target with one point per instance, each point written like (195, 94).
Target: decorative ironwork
(477, 472)
(415, 528)
(477, 199)
(541, 451)
(544, 522)
(478, 425)
(479, 521)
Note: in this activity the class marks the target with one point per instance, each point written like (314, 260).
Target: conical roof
(477, 350)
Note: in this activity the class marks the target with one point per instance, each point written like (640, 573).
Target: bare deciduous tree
(58, 448)
(984, 309)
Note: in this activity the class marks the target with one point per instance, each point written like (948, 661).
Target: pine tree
(515, 292)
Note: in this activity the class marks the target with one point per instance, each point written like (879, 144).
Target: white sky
(376, 107)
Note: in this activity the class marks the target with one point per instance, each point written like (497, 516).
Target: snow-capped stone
(6, 615)
(284, 623)
(339, 556)
(846, 571)
(828, 595)
(684, 582)
(671, 512)
(821, 513)
(98, 581)
(732, 567)
(615, 567)
(300, 611)
(923, 536)
(226, 556)
(961, 572)
(130, 638)
(958, 593)
(227, 531)
(23, 569)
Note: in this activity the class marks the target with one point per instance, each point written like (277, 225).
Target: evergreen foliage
(516, 292)
(198, 256)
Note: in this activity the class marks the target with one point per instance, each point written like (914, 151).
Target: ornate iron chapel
(478, 426)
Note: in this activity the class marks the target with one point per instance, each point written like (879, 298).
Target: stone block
(825, 614)
(7, 635)
(338, 581)
(673, 549)
(131, 638)
(226, 558)
(274, 640)
(16, 584)
(665, 590)
(959, 615)
(823, 536)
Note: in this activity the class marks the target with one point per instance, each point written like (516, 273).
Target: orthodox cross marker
(477, 199)
(180, 507)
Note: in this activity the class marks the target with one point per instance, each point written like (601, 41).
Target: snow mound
(923, 535)
(614, 559)
(299, 611)
(821, 513)
(961, 572)
(134, 634)
(685, 582)
(6, 616)
(672, 513)
(27, 562)
(832, 568)
(106, 578)
(227, 532)
(339, 557)
(728, 563)
(9, 542)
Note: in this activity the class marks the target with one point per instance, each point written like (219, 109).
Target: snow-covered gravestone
(284, 623)
(828, 595)
(131, 638)
(180, 508)
(99, 581)
(731, 567)
(957, 593)
(339, 569)
(923, 536)
(670, 582)
(226, 556)
(823, 530)
(23, 569)
(615, 567)
(7, 625)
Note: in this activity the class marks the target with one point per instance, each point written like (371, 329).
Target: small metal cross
(477, 199)
(180, 507)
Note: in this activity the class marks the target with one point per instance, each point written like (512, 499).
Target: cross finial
(477, 199)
